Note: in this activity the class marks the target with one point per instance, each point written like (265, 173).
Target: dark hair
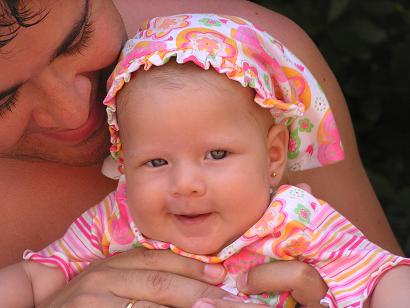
(15, 14)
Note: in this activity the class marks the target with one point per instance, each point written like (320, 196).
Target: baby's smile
(193, 219)
(194, 224)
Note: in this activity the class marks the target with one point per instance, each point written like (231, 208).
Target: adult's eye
(8, 103)
(217, 154)
(155, 163)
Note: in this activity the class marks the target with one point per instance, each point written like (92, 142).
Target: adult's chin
(42, 149)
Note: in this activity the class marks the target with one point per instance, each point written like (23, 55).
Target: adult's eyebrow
(74, 33)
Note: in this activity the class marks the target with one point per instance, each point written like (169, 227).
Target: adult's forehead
(32, 48)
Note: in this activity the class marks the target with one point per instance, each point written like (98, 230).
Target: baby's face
(197, 162)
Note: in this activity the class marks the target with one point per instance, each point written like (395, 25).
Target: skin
(173, 173)
(27, 185)
(203, 184)
(54, 121)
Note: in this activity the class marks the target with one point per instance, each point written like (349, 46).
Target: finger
(224, 303)
(154, 286)
(142, 304)
(305, 187)
(302, 280)
(86, 300)
(167, 261)
(108, 283)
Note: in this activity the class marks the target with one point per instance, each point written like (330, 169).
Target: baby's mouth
(193, 218)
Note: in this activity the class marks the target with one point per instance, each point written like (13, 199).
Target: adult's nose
(187, 181)
(63, 101)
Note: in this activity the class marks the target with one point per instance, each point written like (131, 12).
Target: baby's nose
(188, 182)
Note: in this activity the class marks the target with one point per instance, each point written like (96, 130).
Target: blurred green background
(367, 45)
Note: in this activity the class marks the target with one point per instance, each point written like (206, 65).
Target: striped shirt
(295, 226)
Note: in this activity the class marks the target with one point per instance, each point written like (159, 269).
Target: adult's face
(52, 83)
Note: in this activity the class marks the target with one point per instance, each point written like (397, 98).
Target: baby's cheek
(147, 210)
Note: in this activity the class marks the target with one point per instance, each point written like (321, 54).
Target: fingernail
(232, 298)
(242, 280)
(204, 303)
(214, 271)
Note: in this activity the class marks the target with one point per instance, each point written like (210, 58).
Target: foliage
(367, 45)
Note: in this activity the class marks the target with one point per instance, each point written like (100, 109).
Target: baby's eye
(217, 154)
(155, 163)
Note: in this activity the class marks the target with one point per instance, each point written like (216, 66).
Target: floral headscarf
(248, 55)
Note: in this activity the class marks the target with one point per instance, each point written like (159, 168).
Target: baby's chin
(203, 247)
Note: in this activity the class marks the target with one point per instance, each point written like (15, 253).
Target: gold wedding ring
(131, 303)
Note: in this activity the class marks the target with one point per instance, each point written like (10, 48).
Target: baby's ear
(277, 146)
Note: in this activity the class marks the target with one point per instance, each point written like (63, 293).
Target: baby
(201, 166)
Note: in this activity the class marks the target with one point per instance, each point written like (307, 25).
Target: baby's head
(200, 157)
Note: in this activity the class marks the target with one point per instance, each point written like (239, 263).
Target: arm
(26, 284)
(350, 264)
(393, 289)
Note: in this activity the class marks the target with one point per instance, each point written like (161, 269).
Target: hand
(305, 187)
(149, 276)
(303, 281)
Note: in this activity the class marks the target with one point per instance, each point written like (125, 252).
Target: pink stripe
(87, 249)
(365, 271)
(318, 244)
(359, 241)
(321, 216)
(104, 213)
(344, 247)
(97, 233)
(331, 299)
(67, 267)
(356, 278)
(338, 253)
(96, 242)
(73, 245)
(316, 250)
(54, 260)
(354, 260)
(77, 247)
(335, 242)
(83, 226)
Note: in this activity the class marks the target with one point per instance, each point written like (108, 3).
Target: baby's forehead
(175, 76)
(189, 79)
(181, 79)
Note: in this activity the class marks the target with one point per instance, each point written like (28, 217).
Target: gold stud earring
(274, 174)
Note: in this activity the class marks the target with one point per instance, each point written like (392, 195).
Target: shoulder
(282, 28)
(103, 210)
(301, 206)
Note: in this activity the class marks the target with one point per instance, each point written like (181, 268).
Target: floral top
(295, 226)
